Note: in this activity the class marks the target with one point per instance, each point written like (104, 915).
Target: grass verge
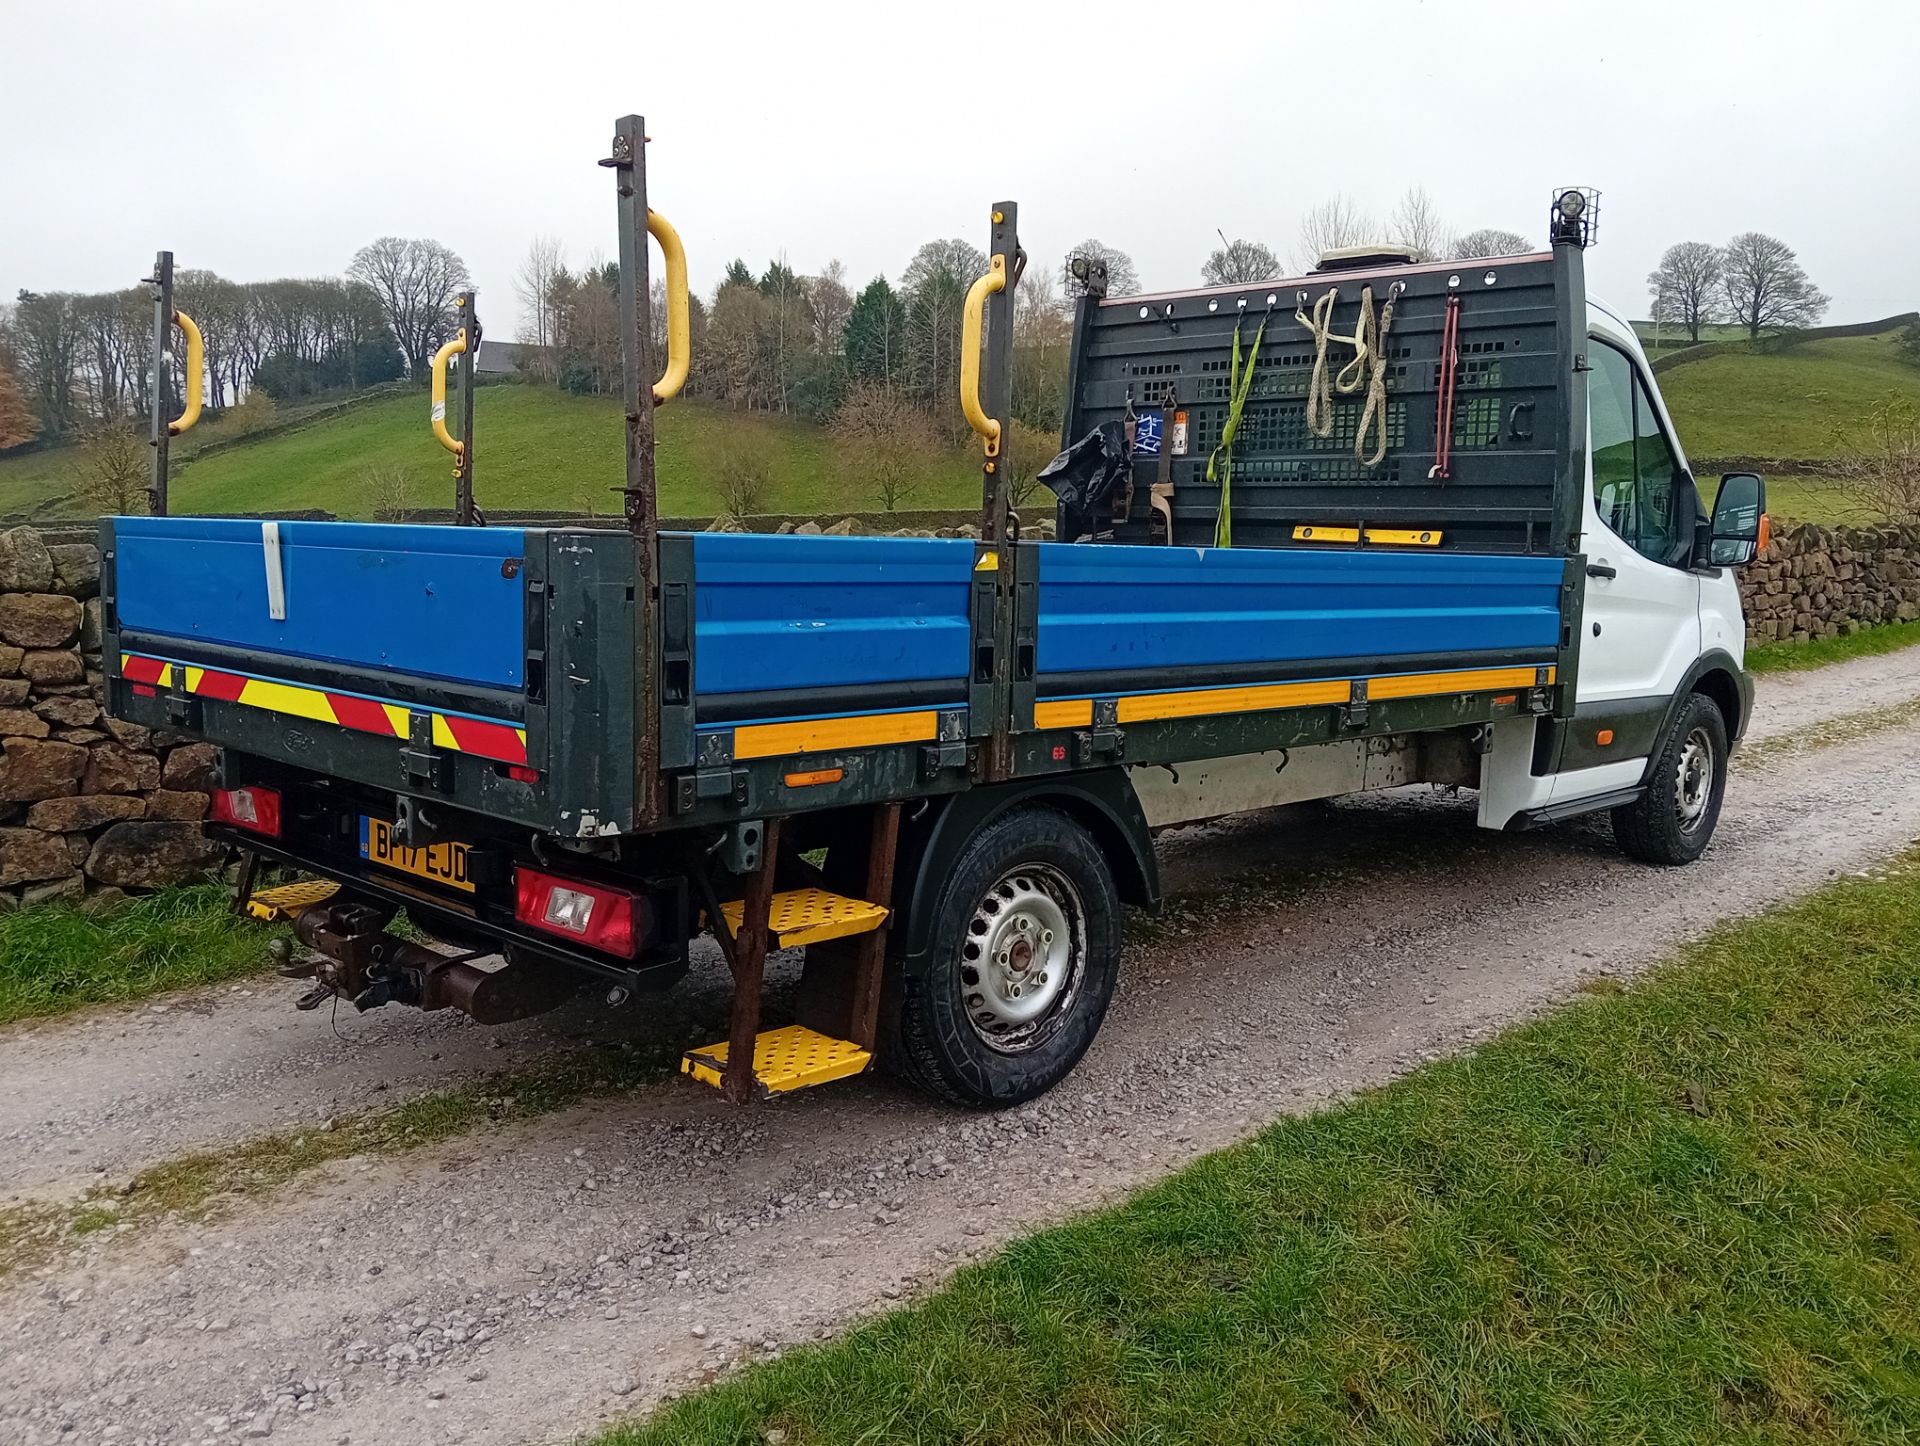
(56, 957)
(1789, 657)
(1686, 1211)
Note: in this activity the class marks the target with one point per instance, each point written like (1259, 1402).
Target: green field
(1682, 1212)
(535, 448)
(1786, 403)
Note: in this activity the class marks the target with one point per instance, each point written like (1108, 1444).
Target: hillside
(536, 448)
(1786, 403)
(546, 450)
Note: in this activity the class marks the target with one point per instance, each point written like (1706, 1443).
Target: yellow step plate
(807, 916)
(289, 899)
(783, 1059)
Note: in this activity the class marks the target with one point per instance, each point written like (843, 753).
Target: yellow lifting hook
(196, 364)
(970, 330)
(439, 413)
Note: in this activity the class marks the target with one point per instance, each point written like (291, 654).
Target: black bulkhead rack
(1518, 427)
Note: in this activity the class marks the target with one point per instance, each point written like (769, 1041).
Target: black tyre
(1674, 820)
(1025, 952)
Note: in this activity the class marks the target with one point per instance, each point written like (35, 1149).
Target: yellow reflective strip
(399, 719)
(285, 698)
(989, 562)
(1472, 680)
(813, 735)
(442, 734)
(1146, 706)
(1064, 713)
(194, 675)
(521, 734)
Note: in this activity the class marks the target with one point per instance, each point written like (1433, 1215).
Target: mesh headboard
(1507, 405)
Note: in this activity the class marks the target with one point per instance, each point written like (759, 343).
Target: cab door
(1641, 618)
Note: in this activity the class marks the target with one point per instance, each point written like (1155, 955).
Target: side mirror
(1740, 527)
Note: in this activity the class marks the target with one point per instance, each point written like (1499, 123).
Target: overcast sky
(268, 139)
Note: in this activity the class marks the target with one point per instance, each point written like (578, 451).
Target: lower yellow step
(809, 916)
(289, 899)
(783, 1059)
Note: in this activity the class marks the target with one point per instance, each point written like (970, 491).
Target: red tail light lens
(607, 919)
(254, 809)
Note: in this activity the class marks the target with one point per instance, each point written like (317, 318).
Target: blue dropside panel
(428, 601)
(828, 612)
(1125, 608)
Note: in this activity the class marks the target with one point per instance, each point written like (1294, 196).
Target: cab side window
(1639, 488)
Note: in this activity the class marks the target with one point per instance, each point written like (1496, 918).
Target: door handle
(1602, 569)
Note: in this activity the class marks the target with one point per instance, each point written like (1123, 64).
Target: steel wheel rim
(1693, 780)
(1023, 958)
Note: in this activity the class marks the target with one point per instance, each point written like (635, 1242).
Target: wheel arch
(1718, 677)
(1102, 802)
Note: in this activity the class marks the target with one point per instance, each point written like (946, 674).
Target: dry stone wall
(89, 806)
(1820, 582)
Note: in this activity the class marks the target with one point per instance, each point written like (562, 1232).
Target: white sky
(293, 133)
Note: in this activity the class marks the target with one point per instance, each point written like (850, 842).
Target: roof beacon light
(1575, 216)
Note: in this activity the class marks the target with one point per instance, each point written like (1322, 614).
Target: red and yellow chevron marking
(456, 732)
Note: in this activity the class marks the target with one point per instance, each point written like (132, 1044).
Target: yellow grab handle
(439, 414)
(972, 320)
(679, 330)
(196, 364)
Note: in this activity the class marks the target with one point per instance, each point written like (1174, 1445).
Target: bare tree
(1489, 241)
(1879, 462)
(1334, 223)
(886, 440)
(112, 469)
(935, 291)
(390, 490)
(1416, 225)
(1686, 285)
(1239, 261)
(1028, 449)
(18, 423)
(533, 283)
(745, 462)
(1040, 334)
(832, 304)
(415, 282)
(1122, 278)
(1766, 286)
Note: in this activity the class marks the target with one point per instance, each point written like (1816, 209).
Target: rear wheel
(1674, 819)
(1025, 951)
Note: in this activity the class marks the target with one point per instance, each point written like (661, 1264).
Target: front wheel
(1674, 819)
(1024, 954)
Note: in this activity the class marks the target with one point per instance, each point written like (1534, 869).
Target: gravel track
(526, 1282)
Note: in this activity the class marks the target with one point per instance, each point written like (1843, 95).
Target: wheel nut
(1041, 980)
(1015, 991)
(974, 1001)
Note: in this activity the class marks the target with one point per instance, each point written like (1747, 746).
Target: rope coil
(1367, 368)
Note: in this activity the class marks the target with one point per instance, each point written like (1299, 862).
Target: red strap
(1449, 372)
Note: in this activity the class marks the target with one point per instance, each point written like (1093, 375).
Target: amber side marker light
(814, 776)
(1603, 737)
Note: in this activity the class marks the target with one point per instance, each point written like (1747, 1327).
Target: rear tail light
(254, 809)
(592, 914)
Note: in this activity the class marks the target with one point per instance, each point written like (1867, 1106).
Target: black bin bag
(1084, 476)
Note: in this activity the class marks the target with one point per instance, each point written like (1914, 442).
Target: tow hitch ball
(366, 966)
